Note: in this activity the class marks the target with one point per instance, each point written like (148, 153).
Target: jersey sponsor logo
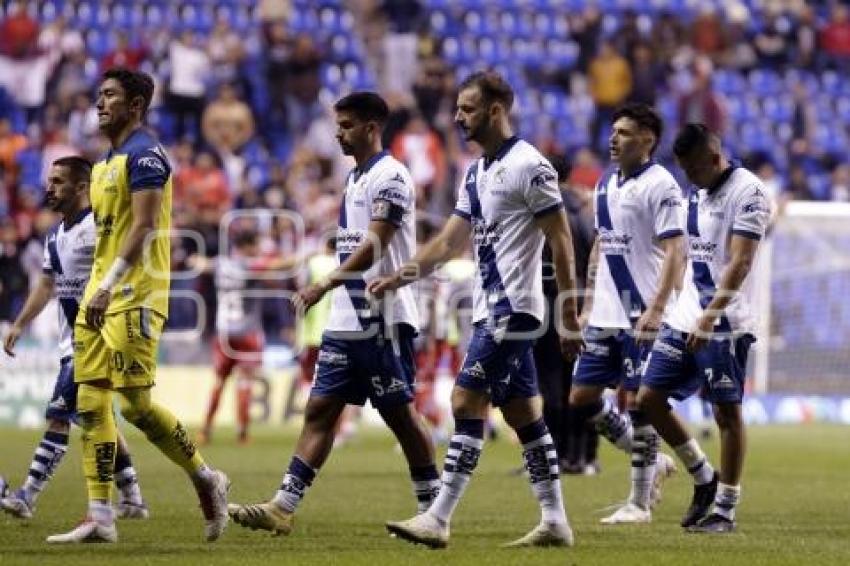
(486, 235)
(154, 163)
(381, 209)
(596, 349)
(391, 195)
(701, 250)
(542, 178)
(668, 350)
(612, 242)
(104, 225)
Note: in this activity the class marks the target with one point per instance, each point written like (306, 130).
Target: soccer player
(68, 250)
(509, 202)
(707, 335)
(638, 260)
(367, 350)
(124, 309)
(239, 340)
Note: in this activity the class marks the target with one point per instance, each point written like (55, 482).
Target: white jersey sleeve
(665, 203)
(751, 213)
(541, 192)
(463, 208)
(391, 197)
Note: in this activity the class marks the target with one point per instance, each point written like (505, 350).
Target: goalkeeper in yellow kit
(124, 309)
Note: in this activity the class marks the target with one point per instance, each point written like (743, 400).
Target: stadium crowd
(245, 93)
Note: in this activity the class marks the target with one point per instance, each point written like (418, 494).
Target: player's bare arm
(35, 303)
(448, 244)
(672, 271)
(366, 255)
(742, 251)
(557, 231)
(145, 206)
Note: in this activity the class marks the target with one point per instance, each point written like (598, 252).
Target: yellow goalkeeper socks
(94, 407)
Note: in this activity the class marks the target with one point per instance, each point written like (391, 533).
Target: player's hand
(379, 286)
(647, 326)
(571, 340)
(96, 309)
(11, 339)
(309, 296)
(701, 333)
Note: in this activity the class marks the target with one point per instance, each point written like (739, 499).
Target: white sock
(695, 461)
(541, 461)
(127, 482)
(101, 511)
(644, 458)
(726, 500)
(461, 459)
(614, 426)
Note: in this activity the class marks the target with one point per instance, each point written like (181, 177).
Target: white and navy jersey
(239, 311)
(381, 190)
(68, 257)
(633, 215)
(502, 198)
(736, 205)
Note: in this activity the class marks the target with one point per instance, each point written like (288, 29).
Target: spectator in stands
(610, 84)
(628, 35)
(14, 283)
(11, 143)
(124, 55)
(18, 33)
(60, 40)
(740, 53)
(433, 90)
(668, 36)
(835, 39)
(798, 183)
(773, 43)
(806, 32)
(706, 35)
(701, 104)
(586, 28)
(303, 85)
(647, 75)
(82, 124)
(202, 189)
(227, 122)
(421, 149)
(403, 19)
(840, 178)
(226, 52)
(190, 75)
(585, 172)
(272, 12)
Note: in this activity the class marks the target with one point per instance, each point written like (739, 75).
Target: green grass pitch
(795, 509)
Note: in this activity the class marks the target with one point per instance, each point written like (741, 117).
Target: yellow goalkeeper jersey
(140, 163)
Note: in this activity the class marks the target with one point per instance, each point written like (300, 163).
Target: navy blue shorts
(719, 368)
(375, 368)
(63, 402)
(612, 356)
(499, 364)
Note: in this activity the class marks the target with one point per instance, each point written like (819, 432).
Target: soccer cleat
(4, 487)
(129, 510)
(421, 529)
(87, 531)
(213, 498)
(265, 516)
(628, 513)
(714, 523)
(545, 534)
(17, 506)
(701, 502)
(665, 468)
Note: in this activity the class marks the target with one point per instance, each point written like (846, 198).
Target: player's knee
(728, 417)
(58, 425)
(93, 405)
(321, 414)
(136, 406)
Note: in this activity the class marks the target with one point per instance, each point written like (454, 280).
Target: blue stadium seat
(764, 83)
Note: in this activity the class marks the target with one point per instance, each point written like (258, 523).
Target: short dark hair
(366, 106)
(493, 87)
(79, 167)
(644, 116)
(134, 83)
(692, 136)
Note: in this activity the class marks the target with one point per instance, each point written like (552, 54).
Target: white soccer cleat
(422, 529)
(545, 534)
(87, 531)
(213, 498)
(130, 510)
(628, 513)
(17, 506)
(265, 516)
(665, 467)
